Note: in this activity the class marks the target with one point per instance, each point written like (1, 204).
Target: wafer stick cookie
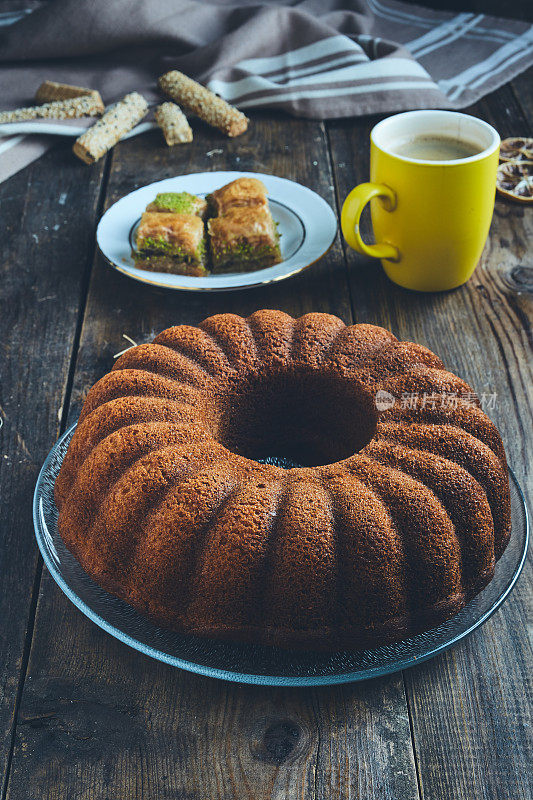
(208, 106)
(173, 123)
(116, 122)
(60, 109)
(50, 90)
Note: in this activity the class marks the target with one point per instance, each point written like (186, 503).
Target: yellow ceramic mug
(430, 218)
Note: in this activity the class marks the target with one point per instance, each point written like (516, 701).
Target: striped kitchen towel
(311, 58)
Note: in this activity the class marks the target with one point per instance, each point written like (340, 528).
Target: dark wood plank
(99, 720)
(117, 305)
(48, 215)
(469, 707)
(522, 87)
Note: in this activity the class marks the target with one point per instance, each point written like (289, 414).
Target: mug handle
(351, 214)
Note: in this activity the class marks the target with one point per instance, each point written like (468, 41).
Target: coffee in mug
(435, 148)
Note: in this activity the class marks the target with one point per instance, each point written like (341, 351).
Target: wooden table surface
(84, 716)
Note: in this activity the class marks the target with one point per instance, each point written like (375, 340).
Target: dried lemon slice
(515, 181)
(516, 148)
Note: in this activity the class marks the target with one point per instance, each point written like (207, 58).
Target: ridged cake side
(162, 507)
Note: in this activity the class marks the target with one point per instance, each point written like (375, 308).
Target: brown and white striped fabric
(421, 59)
(312, 58)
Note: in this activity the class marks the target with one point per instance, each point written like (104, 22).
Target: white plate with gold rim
(307, 224)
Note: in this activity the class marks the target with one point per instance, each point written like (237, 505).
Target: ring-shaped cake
(393, 521)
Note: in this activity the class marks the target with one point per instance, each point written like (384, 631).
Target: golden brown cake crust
(393, 523)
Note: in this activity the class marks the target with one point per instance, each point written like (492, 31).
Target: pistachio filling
(160, 246)
(177, 202)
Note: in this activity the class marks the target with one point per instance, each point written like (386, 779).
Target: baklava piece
(241, 192)
(171, 242)
(244, 239)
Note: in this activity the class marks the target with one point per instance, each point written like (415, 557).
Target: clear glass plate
(259, 664)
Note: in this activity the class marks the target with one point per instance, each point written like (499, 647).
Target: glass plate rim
(252, 678)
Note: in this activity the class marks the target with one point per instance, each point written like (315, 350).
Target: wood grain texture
(48, 213)
(117, 305)
(99, 720)
(471, 707)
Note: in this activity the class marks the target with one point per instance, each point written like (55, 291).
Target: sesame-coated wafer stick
(173, 123)
(60, 109)
(208, 106)
(116, 122)
(50, 90)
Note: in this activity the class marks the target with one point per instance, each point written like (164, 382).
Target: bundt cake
(393, 519)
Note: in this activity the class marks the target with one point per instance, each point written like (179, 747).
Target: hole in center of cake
(297, 420)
